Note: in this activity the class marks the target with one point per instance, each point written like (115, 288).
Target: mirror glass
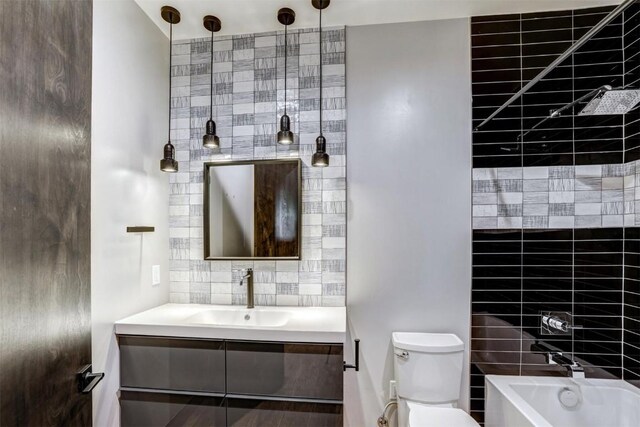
(252, 209)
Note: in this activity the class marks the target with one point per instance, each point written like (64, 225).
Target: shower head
(612, 102)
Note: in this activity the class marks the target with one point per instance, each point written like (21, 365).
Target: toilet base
(415, 414)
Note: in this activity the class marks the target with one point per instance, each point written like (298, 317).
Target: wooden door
(45, 145)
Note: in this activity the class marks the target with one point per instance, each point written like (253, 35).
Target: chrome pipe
(592, 94)
(557, 113)
(577, 45)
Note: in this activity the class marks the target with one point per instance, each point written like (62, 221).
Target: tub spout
(553, 357)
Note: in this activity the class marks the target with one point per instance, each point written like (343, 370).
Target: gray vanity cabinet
(152, 409)
(311, 371)
(217, 383)
(172, 364)
(261, 413)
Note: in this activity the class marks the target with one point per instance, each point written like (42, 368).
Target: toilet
(428, 374)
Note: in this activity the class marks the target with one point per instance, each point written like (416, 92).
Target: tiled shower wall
(631, 43)
(588, 196)
(519, 273)
(248, 102)
(631, 307)
(510, 50)
(555, 214)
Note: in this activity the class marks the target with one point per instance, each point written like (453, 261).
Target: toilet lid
(439, 417)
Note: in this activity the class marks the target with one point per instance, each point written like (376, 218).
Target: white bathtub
(535, 402)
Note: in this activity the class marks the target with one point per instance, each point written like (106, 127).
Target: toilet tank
(428, 367)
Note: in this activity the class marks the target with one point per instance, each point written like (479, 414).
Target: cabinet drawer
(142, 409)
(172, 364)
(260, 413)
(311, 371)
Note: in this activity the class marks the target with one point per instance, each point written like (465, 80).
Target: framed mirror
(252, 209)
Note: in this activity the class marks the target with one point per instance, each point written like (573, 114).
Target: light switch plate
(155, 275)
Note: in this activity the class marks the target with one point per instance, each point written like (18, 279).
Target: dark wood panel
(45, 146)
(276, 209)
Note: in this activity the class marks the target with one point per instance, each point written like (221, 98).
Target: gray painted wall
(130, 96)
(409, 195)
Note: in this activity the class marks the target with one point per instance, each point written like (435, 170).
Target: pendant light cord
(285, 70)
(320, 44)
(211, 87)
(170, 54)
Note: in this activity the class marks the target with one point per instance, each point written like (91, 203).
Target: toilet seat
(430, 416)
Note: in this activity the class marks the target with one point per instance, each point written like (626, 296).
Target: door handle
(87, 380)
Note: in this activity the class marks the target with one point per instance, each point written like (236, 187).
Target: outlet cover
(155, 275)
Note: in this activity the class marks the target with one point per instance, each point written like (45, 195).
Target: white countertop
(299, 324)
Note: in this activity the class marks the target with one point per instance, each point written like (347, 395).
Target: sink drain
(569, 398)
(247, 317)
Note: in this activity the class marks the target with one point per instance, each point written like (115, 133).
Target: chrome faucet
(553, 357)
(249, 278)
(574, 369)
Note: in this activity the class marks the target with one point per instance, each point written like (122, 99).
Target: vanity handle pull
(357, 358)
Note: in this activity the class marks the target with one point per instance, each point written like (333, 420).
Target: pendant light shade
(286, 17)
(320, 158)
(169, 162)
(285, 136)
(210, 139)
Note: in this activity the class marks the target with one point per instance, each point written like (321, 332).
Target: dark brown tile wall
(593, 273)
(631, 308)
(510, 50)
(632, 79)
(519, 273)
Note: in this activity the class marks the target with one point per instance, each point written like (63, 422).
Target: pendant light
(320, 158)
(169, 163)
(286, 17)
(210, 139)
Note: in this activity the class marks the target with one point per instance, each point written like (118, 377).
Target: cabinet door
(311, 371)
(172, 364)
(142, 409)
(270, 413)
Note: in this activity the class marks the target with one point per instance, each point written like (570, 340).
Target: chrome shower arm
(577, 45)
(592, 94)
(559, 111)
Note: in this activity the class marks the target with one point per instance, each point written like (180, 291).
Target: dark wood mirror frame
(206, 208)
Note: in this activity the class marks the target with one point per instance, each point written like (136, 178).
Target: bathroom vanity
(231, 366)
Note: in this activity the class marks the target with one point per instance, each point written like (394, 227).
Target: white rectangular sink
(292, 324)
(249, 317)
(513, 401)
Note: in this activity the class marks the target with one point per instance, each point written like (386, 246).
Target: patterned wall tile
(556, 197)
(249, 84)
